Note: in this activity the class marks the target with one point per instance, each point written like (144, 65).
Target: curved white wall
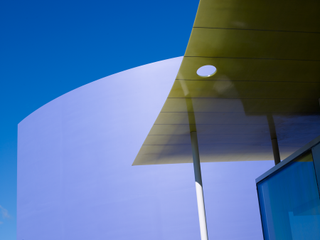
(75, 179)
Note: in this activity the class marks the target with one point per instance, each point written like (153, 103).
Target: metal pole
(199, 190)
(274, 139)
(275, 149)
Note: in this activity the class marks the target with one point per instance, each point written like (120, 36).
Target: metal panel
(267, 56)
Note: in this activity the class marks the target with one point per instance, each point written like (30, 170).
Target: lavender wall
(75, 179)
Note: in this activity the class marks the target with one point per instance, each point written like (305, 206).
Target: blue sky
(51, 47)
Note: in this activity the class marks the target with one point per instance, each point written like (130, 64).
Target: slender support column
(274, 140)
(275, 149)
(199, 190)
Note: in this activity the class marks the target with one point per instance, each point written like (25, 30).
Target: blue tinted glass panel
(289, 202)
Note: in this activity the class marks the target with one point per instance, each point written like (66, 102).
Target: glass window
(289, 202)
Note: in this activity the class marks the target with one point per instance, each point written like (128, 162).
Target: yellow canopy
(267, 56)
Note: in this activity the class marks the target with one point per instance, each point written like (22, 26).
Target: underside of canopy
(267, 56)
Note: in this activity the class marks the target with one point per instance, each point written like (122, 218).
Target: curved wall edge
(75, 179)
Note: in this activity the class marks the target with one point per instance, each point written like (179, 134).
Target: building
(75, 179)
(289, 196)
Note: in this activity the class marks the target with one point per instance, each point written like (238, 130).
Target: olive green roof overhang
(267, 55)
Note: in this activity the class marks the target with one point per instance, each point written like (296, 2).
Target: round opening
(206, 71)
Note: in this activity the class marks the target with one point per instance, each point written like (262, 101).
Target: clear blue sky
(51, 47)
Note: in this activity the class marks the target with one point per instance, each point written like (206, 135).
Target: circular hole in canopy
(206, 71)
